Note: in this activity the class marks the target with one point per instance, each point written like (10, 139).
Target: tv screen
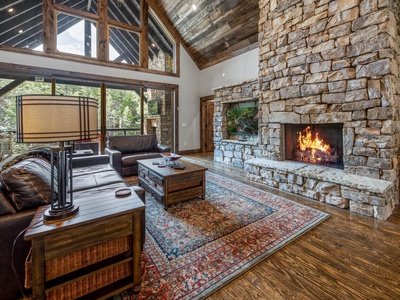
(242, 121)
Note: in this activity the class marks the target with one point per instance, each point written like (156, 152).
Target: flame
(306, 141)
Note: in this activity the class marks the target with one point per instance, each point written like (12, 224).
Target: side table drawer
(87, 236)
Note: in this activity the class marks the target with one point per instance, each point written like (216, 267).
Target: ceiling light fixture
(120, 2)
(20, 31)
(194, 7)
(10, 10)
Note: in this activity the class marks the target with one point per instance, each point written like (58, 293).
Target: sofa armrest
(85, 161)
(10, 227)
(115, 157)
(162, 148)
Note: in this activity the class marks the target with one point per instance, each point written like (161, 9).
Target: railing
(122, 131)
(6, 143)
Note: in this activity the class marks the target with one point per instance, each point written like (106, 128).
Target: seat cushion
(131, 159)
(100, 189)
(92, 169)
(95, 180)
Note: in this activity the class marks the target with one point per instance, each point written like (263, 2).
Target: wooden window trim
(76, 12)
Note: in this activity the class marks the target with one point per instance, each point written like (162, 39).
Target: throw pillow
(28, 183)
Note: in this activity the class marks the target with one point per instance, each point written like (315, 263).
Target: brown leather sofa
(125, 151)
(23, 187)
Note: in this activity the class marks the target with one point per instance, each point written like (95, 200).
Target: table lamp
(48, 119)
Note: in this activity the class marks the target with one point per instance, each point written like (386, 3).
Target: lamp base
(51, 215)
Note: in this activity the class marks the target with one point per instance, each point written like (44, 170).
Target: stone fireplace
(323, 63)
(318, 144)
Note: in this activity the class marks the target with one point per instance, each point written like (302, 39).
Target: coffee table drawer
(186, 194)
(143, 171)
(185, 181)
(156, 178)
(156, 193)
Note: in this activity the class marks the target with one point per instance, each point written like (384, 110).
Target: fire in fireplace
(319, 144)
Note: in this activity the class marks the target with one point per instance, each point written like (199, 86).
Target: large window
(124, 108)
(123, 113)
(159, 115)
(76, 35)
(8, 113)
(112, 32)
(125, 11)
(124, 46)
(161, 46)
(21, 23)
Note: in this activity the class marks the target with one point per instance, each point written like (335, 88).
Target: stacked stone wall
(233, 152)
(163, 121)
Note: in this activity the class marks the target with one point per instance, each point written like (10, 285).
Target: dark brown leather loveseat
(24, 186)
(125, 151)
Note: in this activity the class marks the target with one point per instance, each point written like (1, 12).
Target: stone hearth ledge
(241, 142)
(364, 195)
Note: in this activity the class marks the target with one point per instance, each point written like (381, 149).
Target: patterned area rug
(195, 247)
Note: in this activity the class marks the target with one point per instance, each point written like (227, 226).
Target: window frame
(49, 39)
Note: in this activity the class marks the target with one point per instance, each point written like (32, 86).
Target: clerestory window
(123, 32)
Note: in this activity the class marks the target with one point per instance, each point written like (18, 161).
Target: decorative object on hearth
(49, 119)
(195, 247)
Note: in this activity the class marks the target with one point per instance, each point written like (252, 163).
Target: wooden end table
(170, 185)
(102, 220)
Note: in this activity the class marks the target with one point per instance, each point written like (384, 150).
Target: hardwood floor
(347, 256)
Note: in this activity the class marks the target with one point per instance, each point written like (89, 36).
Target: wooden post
(144, 38)
(102, 31)
(103, 128)
(49, 27)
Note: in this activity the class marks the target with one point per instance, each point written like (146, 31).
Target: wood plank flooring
(347, 256)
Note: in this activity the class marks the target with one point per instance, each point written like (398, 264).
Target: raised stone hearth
(329, 62)
(360, 194)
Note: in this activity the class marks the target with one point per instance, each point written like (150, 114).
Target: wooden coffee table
(170, 185)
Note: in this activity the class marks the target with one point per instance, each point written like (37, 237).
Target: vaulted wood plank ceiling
(217, 30)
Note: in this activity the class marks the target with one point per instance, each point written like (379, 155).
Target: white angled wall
(241, 68)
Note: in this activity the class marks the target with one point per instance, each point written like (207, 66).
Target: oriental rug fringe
(195, 247)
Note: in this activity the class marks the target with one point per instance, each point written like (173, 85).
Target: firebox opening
(319, 144)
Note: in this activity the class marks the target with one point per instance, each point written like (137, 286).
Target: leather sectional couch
(125, 151)
(24, 186)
